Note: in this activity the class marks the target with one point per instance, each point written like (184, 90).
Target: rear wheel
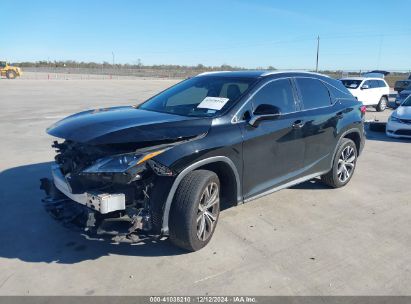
(195, 210)
(11, 74)
(343, 166)
(382, 105)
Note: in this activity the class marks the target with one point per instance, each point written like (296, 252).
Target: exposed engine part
(132, 226)
(102, 202)
(141, 221)
(108, 203)
(74, 157)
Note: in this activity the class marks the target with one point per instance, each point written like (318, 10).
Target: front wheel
(344, 163)
(11, 74)
(195, 210)
(382, 105)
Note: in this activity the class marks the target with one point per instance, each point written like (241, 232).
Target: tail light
(363, 109)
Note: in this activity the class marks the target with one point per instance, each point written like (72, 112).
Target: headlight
(120, 163)
(394, 118)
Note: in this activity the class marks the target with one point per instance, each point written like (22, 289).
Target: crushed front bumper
(97, 215)
(99, 201)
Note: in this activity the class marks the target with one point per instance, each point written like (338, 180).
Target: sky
(354, 35)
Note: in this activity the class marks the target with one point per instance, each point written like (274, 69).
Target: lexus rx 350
(169, 165)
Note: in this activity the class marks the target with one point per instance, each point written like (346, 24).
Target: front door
(273, 150)
(369, 93)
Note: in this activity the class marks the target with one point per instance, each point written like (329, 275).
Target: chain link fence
(80, 73)
(111, 72)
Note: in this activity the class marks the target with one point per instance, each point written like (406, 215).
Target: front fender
(179, 178)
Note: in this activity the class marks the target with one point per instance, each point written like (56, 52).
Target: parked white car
(399, 123)
(370, 91)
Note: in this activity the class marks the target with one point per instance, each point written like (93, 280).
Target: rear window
(313, 93)
(337, 89)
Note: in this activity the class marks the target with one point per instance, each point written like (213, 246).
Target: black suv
(401, 85)
(168, 166)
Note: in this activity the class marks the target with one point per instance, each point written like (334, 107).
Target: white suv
(370, 91)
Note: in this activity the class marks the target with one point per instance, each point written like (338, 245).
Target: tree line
(138, 65)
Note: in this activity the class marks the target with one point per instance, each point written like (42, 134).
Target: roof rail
(213, 72)
(292, 71)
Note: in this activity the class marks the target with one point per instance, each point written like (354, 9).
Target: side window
(382, 84)
(338, 90)
(278, 93)
(368, 83)
(375, 84)
(314, 93)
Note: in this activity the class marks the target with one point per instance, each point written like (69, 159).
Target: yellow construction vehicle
(11, 72)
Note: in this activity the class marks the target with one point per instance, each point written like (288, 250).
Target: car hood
(127, 125)
(403, 112)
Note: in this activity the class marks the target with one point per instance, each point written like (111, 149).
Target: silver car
(402, 96)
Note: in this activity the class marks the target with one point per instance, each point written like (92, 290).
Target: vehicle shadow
(312, 184)
(30, 234)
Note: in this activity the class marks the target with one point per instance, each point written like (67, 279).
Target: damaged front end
(108, 191)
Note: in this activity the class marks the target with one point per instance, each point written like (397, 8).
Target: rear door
(384, 89)
(273, 151)
(320, 116)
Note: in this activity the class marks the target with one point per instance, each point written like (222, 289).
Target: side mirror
(264, 112)
(365, 86)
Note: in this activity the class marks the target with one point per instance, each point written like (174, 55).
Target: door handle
(298, 124)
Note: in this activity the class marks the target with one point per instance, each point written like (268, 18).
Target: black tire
(382, 105)
(185, 210)
(333, 177)
(11, 74)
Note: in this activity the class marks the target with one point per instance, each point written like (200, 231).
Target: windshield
(202, 96)
(407, 102)
(351, 83)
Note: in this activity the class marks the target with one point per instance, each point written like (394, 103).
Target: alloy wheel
(208, 209)
(383, 104)
(346, 164)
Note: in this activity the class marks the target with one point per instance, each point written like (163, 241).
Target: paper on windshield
(213, 103)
